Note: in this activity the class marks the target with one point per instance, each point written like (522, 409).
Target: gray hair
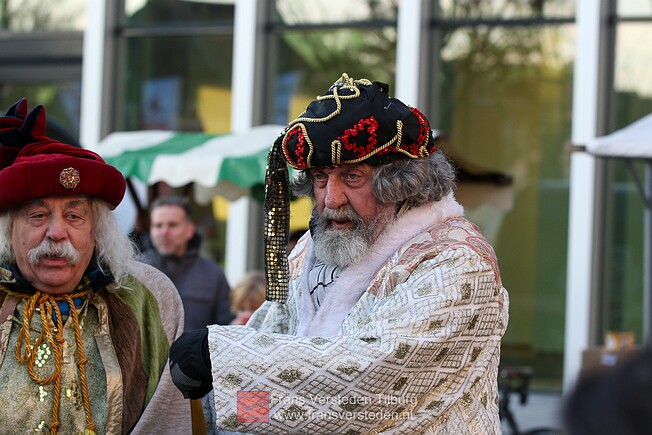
(404, 182)
(113, 249)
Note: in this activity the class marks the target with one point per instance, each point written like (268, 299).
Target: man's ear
(190, 230)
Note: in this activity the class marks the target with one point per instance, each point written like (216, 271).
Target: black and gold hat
(355, 121)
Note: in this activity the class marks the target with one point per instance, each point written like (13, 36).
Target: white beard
(341, 248)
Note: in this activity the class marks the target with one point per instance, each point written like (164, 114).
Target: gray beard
(341, 248)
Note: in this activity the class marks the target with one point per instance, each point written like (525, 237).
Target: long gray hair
(404, 182)
(113, 249)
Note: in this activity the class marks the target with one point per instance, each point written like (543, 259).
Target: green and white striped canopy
(229, 165)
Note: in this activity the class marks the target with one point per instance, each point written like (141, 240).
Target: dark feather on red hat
(33, 165)
(11, 135)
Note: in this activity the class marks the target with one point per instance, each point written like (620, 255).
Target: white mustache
(342, 213)
(50, 249)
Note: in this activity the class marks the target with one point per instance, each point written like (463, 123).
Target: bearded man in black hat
(390, 315)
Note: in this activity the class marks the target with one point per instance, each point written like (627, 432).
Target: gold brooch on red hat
(69, 178)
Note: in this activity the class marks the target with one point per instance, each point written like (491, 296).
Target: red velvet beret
(44, 167)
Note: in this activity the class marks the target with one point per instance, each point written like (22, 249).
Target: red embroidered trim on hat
(421, 147)
(355, 142)
(296, 157)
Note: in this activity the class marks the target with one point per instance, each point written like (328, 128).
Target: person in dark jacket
(201, 282)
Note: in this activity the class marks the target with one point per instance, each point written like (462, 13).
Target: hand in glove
(190, 364)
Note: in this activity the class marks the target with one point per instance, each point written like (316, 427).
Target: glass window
(60, 97)
(504, 9)
(305, 60)
(294, 12)
(38, 15)
(622, 276)
(503, 97)
(307, 63)
(175, 60)
(176, 83)
(46, 69)
(178, 12)
(634, 8)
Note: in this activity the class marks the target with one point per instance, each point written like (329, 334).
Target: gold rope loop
(45, 305)
(81, 364)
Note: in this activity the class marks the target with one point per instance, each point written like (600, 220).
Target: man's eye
(320, 180)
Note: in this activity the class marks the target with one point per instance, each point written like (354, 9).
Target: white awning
(228, 165)
(633, 141)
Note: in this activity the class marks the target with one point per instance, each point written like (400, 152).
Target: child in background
(247, 295)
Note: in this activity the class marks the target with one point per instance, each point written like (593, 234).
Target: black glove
(190, 364)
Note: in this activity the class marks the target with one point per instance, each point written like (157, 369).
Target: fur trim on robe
(343, 294)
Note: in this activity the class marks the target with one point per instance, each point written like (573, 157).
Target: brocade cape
(405, 342)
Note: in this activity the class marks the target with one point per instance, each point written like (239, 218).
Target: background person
(247, 295)
(394, 311)
(615, 401)
(175, 247)
(84, 329)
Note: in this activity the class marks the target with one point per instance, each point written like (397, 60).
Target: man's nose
(335, 194)
(56, 228)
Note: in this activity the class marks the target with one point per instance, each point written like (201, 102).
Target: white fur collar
(345, 292)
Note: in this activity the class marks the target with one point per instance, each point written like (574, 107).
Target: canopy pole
(647, 254)
(641, 186)
(134, 195)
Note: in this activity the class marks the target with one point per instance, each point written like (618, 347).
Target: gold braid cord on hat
(277, 224)
(46, 304)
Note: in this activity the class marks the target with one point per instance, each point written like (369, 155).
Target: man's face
(53, 241)
(170, 230)
(349, 217)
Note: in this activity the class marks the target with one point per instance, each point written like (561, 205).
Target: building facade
(512, 84)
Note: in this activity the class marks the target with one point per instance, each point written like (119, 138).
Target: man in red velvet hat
(390, 315)
(84, 329)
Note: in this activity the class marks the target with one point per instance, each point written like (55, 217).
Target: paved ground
(541, 410)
